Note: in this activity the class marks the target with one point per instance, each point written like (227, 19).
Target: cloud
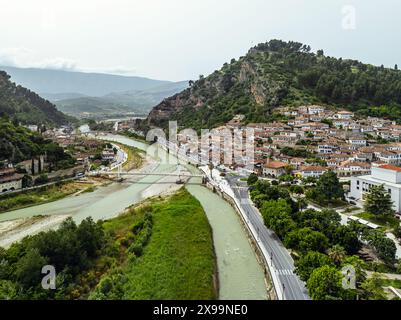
(120, 70)
(25, 58)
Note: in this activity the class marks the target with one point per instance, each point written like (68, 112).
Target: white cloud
(120, 70)
(25, 58)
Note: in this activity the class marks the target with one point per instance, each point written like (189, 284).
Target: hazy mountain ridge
(94, 94)
(50, 81)
(139, 102)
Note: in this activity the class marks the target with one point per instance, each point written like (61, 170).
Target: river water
(240, 275)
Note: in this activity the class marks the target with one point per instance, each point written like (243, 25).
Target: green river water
(240, 275)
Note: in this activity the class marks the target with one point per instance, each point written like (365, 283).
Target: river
(240, 275)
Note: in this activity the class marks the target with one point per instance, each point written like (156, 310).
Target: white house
(357, 142)
(313, 171)
(316, 109)
(345, 115)
(387, 175)
(274, 169)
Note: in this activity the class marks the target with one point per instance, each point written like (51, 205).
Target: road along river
(240, 275)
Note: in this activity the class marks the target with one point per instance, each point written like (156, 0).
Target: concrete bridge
(120, 174)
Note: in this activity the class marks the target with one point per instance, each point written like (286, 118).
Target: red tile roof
(314, 168)
(391, 167)
(276, 165)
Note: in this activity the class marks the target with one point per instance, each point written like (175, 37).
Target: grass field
(176, 263)
(385, 222)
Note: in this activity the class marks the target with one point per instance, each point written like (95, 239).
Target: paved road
(283, 264)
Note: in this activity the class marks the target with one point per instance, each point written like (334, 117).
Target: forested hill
(18, 143)
(279, 73)
(25, 106)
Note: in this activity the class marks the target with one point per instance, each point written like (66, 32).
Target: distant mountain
(279, 73)
(62, 96)
(46, 81)
(95, 106)
(147, 98)
(139, 102)
(95, 94)
(24, 106)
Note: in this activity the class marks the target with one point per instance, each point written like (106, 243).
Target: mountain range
(95, 94)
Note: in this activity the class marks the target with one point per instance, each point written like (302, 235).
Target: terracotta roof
(391, 167)
(314, 168)
(349, 163)
(276, 165)
(6, 171)
(10, 178)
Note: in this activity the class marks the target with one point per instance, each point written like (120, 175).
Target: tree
(325, 283)
(378, 202)
(297, 189)
(384, 247)
(286, 178)
(373, 289)
(397, 232)
(359, 265)
(42, 179)
(347, 238)
(91, 236)
(337, 254)
(27, 181)
(306, 239)
(29, 267)
(302, 204)
(277, 216)
(322, 221)
(8, 290)
(329, 187)
(309, 262)
(252, 179)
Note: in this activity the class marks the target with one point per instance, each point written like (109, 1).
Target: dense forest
(26, 107)
(279, 73)
(18, 143)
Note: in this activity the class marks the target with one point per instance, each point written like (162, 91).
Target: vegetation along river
(240, 274)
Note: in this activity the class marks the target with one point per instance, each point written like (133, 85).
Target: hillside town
(85, 154)
(309, 141)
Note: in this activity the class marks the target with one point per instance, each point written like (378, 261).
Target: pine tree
(378, 201)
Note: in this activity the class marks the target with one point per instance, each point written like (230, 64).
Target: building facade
(10, 180)
(387, 175)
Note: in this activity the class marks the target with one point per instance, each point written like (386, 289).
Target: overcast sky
(180, 39)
